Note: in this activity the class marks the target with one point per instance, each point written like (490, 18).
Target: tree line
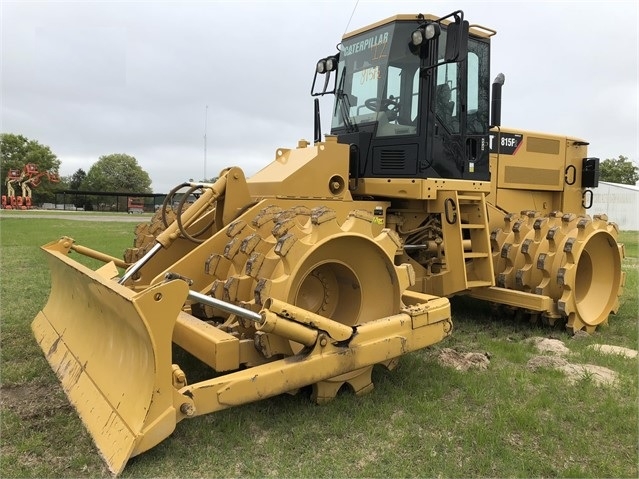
(119, 172)
(113, 173)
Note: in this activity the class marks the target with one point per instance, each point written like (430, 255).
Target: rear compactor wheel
(575, 260)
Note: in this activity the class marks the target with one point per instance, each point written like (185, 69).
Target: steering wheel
(388, 105)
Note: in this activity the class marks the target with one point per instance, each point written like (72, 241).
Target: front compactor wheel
(344, 272)
(575, 260)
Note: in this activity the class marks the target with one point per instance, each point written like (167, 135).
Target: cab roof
(475, 30)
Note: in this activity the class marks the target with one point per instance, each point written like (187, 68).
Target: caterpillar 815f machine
(338, 255)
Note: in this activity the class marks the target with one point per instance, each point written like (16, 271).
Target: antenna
(352, 13)
(206, 118)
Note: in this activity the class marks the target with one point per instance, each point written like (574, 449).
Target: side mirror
(590, 173)
(457, 42)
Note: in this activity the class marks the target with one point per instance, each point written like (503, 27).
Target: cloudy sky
(94, 78)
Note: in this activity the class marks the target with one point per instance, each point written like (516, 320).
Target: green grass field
(421, 420)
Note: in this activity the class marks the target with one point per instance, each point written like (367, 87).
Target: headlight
(321, 66)
(426, 33)
(331, 64)
(417, 37)
(431, 31)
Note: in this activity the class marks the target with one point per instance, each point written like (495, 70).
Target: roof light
(417, 37)
(432, 30)
(331, 64)
(326, 65)
(425, 33)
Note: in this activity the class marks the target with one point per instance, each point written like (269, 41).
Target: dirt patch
(546, 362)
(547, 345)
(581, 334)
(31, 401)
(463, 361)
(597, 374)
(259, 435)
(39, 437)
(618, 350)
(554, 349)
(575, 372)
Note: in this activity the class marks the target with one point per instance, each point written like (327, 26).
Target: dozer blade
(111, 350)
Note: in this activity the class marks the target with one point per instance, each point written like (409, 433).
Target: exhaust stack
(495, 111)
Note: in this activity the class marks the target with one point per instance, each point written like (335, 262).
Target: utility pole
(206, 118)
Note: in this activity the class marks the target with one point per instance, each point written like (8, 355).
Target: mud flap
(111, 349)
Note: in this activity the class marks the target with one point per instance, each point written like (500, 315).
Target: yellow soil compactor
(340, 254)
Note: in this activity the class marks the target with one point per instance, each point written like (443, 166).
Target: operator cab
(412, 98)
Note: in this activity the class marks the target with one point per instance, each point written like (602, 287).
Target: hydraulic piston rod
(224, 306)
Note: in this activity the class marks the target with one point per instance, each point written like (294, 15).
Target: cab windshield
(372, 81)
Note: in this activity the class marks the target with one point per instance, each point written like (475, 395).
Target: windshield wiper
(343, 102)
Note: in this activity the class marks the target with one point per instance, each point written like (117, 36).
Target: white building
(619, 202)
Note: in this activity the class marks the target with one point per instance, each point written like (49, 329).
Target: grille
(392, 160)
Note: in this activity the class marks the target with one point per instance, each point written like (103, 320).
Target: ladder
(468, 256)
